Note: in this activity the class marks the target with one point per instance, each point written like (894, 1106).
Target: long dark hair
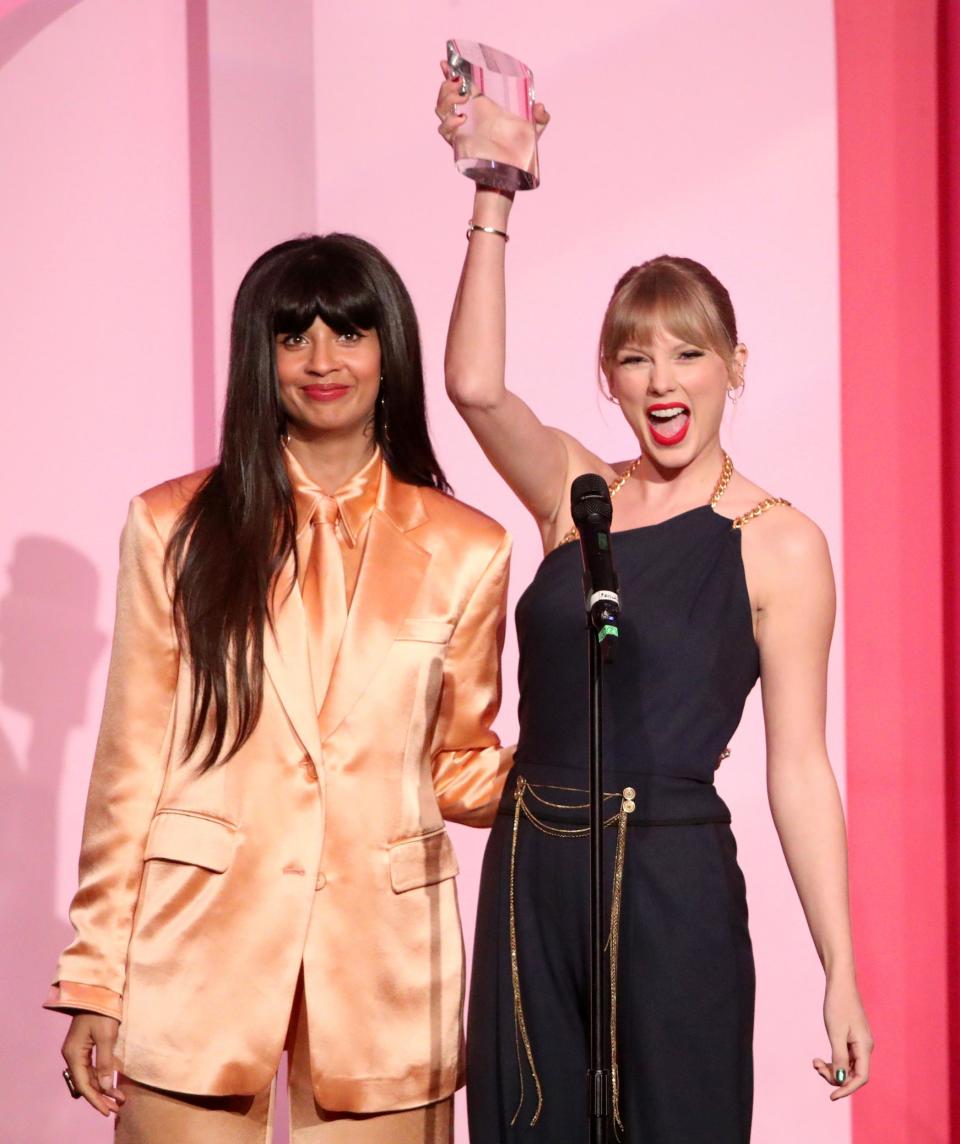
(239, 529)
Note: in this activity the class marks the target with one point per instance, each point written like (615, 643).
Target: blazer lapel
(286, 658)
(390, 576)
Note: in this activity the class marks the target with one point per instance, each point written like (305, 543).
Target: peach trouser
(154, 1116)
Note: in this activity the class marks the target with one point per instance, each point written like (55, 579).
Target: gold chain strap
(624, 477)
(759, 510)
(615, 486)
(726, 472)
(521, 1033)
(719, 489)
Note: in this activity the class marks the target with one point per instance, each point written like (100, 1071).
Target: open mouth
(668, 422)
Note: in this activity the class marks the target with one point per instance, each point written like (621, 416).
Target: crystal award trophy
(497, 144)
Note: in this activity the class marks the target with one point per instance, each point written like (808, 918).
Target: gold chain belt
(522, 809)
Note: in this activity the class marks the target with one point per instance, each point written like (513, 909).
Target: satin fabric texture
(152, 1116)
(320, 844)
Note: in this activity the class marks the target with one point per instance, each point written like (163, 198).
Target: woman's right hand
(449, 99)
(530, 457)
(88, 1051)
(447, 102)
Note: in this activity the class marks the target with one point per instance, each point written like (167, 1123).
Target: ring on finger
(71, 1086)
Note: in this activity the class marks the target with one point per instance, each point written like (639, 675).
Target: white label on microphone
(602, 598)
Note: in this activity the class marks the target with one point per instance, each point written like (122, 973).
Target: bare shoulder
(787, 534)
(785, 553)
(787, 562)
(581, 460)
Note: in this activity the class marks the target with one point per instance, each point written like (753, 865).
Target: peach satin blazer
(321, 844)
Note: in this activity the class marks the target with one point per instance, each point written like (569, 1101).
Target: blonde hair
(675, 294)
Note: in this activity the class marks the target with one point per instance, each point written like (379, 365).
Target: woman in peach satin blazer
(210, 880)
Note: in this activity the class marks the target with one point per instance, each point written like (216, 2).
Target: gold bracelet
(472, 226)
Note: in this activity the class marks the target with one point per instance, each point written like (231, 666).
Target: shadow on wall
(22, 20)
(49, 646)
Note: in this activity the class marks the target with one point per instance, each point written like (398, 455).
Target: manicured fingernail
(841, 1075)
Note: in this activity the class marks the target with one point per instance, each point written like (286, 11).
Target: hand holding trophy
(489, 115)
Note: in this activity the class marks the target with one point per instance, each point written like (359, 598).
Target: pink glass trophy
(497, 145)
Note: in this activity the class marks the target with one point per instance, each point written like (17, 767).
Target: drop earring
(382, 407)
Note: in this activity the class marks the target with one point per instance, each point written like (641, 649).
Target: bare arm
(532, 458)
(790, 565)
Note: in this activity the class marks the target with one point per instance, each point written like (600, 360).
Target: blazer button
(321, 880)
(310, 771)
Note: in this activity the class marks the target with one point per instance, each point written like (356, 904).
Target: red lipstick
(669, 422)
(325, 392)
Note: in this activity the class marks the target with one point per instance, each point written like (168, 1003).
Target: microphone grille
(590, 495)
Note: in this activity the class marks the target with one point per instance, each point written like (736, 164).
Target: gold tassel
(521, 1035)
(519, 1021)
(614, 947)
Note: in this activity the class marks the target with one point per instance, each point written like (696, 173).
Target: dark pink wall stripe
(895, 423)
(949, 69)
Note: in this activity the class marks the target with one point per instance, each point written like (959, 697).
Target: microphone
(592, 514)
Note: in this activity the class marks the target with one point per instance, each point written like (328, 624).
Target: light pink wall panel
(679, 126)
(94, 308)
(262, 161)
(253, 175)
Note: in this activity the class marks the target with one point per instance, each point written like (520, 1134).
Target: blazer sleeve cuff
(74, 997)
(473, 799)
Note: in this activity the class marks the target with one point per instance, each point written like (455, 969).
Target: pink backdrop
(158, 147)
(899, 96)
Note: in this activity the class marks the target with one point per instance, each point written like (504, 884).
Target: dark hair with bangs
(239, 529)
(676, 294)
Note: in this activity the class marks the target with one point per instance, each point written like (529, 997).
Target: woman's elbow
(470, 393)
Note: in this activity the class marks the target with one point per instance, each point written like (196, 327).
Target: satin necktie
(324, 596)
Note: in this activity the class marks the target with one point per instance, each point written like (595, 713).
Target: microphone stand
(592, 515)
(599, 1072)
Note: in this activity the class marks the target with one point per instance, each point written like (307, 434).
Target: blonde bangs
(676, 295)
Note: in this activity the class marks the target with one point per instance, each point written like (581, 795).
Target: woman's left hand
(851, 1041)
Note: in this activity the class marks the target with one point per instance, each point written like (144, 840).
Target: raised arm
(787, 558)
(532, 458)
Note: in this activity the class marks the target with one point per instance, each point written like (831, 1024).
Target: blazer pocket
(422, 861)
(193, 839)
(426, 631)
